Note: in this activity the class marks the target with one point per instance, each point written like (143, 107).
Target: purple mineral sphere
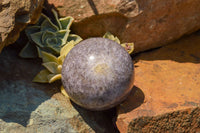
(98, 74)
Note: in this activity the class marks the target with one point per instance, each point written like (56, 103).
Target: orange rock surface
(15, 15)
(167, 81)
(147, 23)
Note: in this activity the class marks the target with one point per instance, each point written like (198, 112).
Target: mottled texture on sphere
(98, 73)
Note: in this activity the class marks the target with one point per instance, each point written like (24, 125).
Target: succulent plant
(47, 35)
(129, 47)
(53, 64)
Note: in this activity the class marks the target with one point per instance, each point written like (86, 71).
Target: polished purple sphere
(98, 74)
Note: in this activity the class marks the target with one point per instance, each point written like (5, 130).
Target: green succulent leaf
(59, 68)
(37, 38)
(108, 35)
(46, 35)
(57, 19)
(74, 37)
(50, 42)
(53, 77)
(66, 22)
(65, 50)
(63, 34)
(47, 57)
(47, 25)
(41, 77)
(31, 29)
(129, 47)
(29, 51)
(54, 45)
(64, 92)
(39, 52)
(51, 66)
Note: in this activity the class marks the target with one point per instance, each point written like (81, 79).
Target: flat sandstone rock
(166, 96)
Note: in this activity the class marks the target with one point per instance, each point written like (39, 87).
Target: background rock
(14, 16)
(166, 93)
(149, 24)
(31, 107)
(81, 9)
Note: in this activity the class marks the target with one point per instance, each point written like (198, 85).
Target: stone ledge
(178, 121)
(166, 82)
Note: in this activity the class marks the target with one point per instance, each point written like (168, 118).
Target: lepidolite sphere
(98, 74)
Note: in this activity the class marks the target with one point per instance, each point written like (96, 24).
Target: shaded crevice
(99, 121)
(113, 22)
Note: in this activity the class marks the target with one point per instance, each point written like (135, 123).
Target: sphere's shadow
(95, 118)
(108, 121)
(133, 101)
